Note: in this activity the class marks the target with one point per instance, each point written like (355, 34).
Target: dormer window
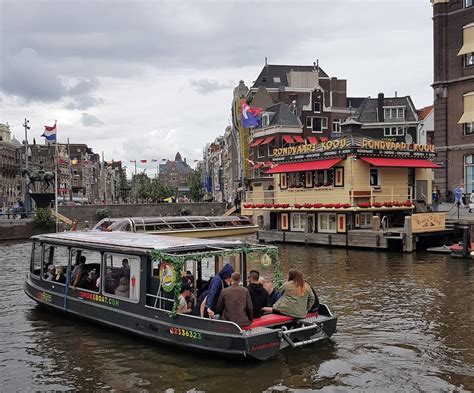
(468, 3)
(276, 79)
(265, 120)
(264, 79)
(394, 113)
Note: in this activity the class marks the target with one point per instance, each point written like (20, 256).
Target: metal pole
(25, 125)
(56, 177)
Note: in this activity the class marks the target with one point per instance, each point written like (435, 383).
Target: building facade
(9, 168)
(453, 33)
(175, 174)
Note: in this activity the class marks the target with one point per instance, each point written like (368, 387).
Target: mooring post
(408, 246)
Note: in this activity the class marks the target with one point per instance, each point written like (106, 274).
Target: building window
(327, 222)
(469, 59)
(122, 276)
(276, 79)
(317, 107)
(295, 179)
(394, 131)
(264, 79)
(297, 222)
(468, 3)
(374, 177)
(469, 128)
(365, 220)
(261, 151)
(336, 126)
(469, 173)
(317, 124)
(394, 113)
(265, 120)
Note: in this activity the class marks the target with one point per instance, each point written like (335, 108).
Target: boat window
(160, 285)
(181, 225)
(122, 276)
(122, 225)
(139, 228)
(86, 269)
(55, 262)
(202, 224)
(36, 259)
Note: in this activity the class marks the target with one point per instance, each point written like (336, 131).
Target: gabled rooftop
(273, 75)
(368, 109)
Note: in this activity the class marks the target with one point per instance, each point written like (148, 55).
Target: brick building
(9, 168)
(175, 174)
(453, 31)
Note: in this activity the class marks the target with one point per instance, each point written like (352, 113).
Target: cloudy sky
(144, 79)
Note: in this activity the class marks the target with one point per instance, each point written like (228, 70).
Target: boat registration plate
(185, 333)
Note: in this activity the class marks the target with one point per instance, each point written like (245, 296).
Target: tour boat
(185, 226)
(131, 282)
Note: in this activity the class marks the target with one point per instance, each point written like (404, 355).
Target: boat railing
(327, 194)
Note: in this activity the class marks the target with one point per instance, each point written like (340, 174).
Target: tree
(143, 182)
(122, 185)
(196, 185)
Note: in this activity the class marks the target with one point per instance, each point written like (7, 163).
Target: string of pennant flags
(261, 164)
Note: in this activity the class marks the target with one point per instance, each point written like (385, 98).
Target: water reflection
(405, 323)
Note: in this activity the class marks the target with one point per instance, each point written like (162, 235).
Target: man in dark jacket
(258, 294)
(218, 282)
(234, 303)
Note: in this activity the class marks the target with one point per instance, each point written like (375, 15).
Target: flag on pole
(251, 117)
(154, 160)
(49, 133)
(143, 161)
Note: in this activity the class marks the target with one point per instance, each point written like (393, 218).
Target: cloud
(89, 120)
(83, 102)
(207, 86)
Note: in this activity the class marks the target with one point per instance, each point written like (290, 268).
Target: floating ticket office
(349, 191)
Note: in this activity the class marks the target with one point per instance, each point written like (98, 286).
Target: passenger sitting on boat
(258, 294)
(125, 269)
(273, 294)
(296, 297)
(235, 304)
(123, 289)
(183, 307)
(187, 279)
(60, 277)
(51, 273)
(77, 266)
(109, 284)
(200, 309)
(218, 282)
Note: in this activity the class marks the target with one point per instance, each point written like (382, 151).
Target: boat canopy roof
(153, 220)
(141, 242)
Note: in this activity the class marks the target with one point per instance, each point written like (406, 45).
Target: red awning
(400, 162)
(305, 166)
(257, 142)
(298, 139)
(313, 140)
(288, 139)
(259, 165)
(323, 139)
(268, 140)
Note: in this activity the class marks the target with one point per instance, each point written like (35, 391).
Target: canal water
(406, 323)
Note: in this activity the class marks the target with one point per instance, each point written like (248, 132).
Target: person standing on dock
(435, 198)
(458, 191)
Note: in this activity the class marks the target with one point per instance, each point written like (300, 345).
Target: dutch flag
(49, 133)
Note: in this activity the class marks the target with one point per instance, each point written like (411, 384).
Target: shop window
(374, 177)
(317, 124)
(324, 178)
(297, 222)
(86, 269)
(122, 276)
(295, 179)
(327, 222)
(365, 220)
(55, 262)
(469, 173)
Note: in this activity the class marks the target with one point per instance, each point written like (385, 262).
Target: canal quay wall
(86, 215)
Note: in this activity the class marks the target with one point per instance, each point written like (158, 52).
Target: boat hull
(190, 333)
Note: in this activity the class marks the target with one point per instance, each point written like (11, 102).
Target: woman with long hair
(296, 297)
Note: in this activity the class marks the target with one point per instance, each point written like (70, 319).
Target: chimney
(266, 63)
(380, 99)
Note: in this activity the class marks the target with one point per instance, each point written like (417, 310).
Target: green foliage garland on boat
(179, 261)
